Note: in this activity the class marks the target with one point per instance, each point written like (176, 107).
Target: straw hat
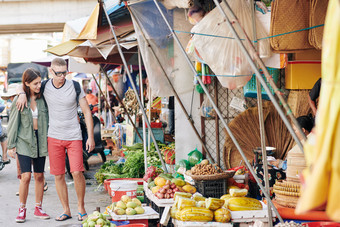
(11, 91)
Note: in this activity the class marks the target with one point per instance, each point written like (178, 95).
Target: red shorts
(57, 155)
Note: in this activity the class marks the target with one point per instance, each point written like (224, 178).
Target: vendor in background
(92, 100)
(8, 96)
(277, 168)
(314, 95)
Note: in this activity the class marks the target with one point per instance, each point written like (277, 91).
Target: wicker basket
(218, 176)
(287, 193)
(288, 16)
(318, 11)
(286, 201)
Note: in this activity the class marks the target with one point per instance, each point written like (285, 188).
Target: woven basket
(286, 193)
(218, 176)
(318, 9)
(288, 16)
(286, 201)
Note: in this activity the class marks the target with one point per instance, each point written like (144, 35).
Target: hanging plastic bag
(207, 110)
(223, 55)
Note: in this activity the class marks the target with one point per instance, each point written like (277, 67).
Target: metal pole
(173, 89)
(149, 117)
(101, 92)
(142, 98)
(121, 103)
(218, 112)
(261, 121)
(266, 73)
(134, 87)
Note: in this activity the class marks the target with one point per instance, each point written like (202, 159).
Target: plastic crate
(214, 189)
(249, 90)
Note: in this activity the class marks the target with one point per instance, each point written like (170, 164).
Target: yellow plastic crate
(302, 74)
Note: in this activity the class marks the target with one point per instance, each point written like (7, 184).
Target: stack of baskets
(287, 193)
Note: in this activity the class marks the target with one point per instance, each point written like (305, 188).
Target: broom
(245, 128)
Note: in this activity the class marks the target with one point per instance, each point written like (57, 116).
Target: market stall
(188, 209)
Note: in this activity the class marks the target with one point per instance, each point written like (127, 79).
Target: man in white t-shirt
(64, 133)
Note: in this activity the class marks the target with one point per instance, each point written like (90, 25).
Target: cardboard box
(302, 74)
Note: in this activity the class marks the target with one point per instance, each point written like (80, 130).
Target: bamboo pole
(261, 121)
(142, 98)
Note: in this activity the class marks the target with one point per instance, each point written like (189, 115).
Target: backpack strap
(43, 85)
(42, 89)
(77, 88)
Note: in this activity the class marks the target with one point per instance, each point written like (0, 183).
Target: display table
(195, 224)
(162, 206)
(153, 198)
(249, 216)
(138, 218)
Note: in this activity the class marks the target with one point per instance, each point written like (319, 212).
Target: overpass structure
(41, 16)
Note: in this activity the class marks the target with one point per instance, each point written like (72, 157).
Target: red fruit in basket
(167, 186)
(169, 191)
(175, 190)
(172, 195)
(173, 185)
(168, 182)
(162, 190)
(159, 195)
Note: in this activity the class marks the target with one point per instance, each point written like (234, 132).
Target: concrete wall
(186, 139)
(41, 16)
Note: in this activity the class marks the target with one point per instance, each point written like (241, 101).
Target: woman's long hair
(28, 76)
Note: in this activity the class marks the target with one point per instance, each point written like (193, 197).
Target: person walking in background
(64, 133)
(92, 100)
(314, 95)
(27, 138)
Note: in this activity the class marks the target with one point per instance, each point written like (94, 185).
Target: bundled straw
(287, 16)
(245, 128)
(318, 9)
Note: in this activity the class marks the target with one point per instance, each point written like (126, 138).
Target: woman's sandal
(45, 187)
(81, 216)
(63, 217)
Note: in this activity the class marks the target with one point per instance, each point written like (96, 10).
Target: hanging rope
(268, 37)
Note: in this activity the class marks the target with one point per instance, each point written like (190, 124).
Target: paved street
(9, 184)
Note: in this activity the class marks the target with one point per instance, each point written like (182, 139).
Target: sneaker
(39, 213)
(22, 215)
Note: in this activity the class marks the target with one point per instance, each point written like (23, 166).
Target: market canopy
(95, 40)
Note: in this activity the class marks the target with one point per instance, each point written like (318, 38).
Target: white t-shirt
(62, 111)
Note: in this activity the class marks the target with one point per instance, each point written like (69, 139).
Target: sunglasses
(60, 73)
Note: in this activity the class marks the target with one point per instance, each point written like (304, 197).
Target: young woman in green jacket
(27, 137)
